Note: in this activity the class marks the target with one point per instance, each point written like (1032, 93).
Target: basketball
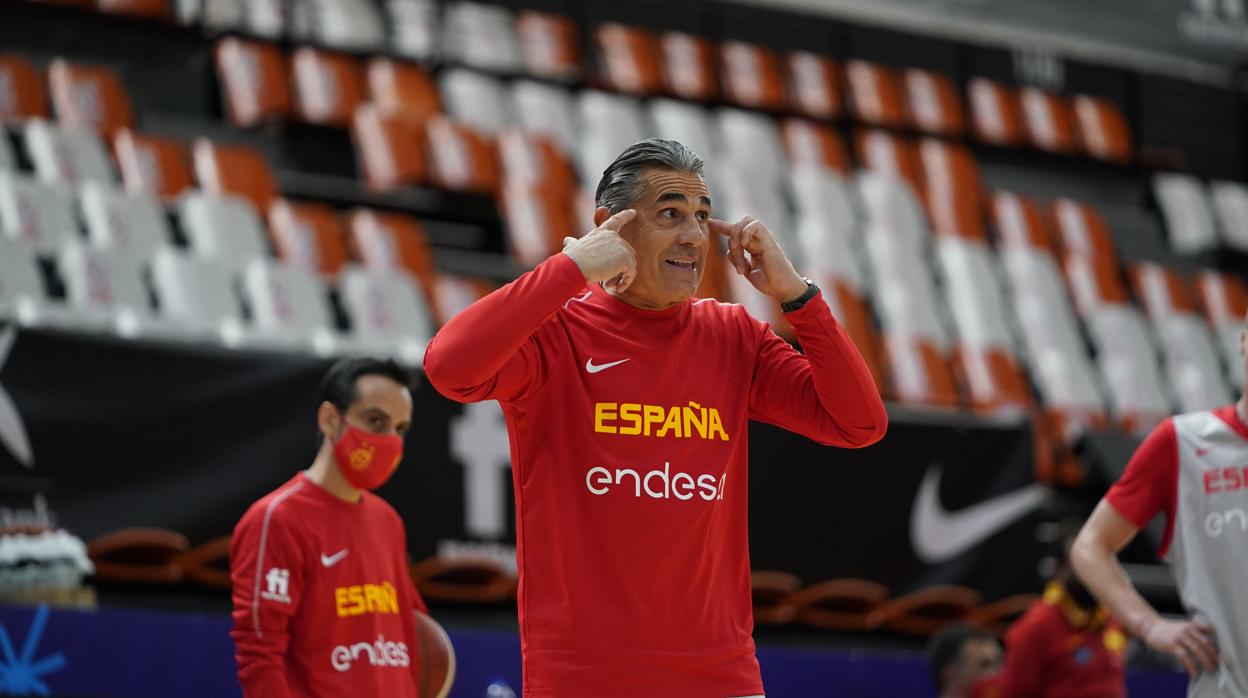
(433, 659)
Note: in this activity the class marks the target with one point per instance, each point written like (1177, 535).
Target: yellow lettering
(654, 415)
(603, 412)
(340, 600)
(672, 423)
(630, 412)
(356, 596)
(390, 597)
(695, 418)
(372, 600)
(716, 426)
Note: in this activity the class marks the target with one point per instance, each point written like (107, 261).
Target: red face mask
(367, 460)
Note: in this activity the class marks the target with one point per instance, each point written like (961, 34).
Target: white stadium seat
(66, 155)
(21, 291)
(289, 306)
(7, 160)
(115, 219)
(546, 109)
(1185, 206)
(387, 311)
(481, 36)
(686, 123)
(751, 141)
(1230, 203)
(104, 290)
(609, 124)
(196, 293)
(225, 228)
(474, 99)
(413, 27)
(41, 215)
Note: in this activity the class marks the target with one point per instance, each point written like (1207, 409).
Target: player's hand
(603, 255)
(766, 265)
(1193, 643)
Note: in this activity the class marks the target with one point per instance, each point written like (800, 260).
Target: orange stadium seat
(389, 241)
(751, 76)
(875, 94)
(688, 66)
(1082, 230)
(951, 189)
(89, 97)
(460, 157)
(135, 8)
(920, 372)
(1101, 129)
(234, 169)
(549, 45)
(932, 103)
(850, 308)
(536, 158)
(1224, 298)
(1047, 119)
(253, 78)
(403, 88)
(994, 381)
(840, 604)
(628, 57)
(995, 111)
(152, 165)
(814, 84)
(308, 236)
(389, 147)
(815, 143)
(537, 220)
(22, 93)
(888, 154)
(327, 86)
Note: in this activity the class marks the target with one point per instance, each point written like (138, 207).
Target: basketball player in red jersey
(323, 602)
(627, 402)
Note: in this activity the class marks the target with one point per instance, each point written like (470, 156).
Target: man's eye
(703, 216)
(668, 213)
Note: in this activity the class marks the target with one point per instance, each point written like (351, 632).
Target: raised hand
(766, 267)
(603, 255)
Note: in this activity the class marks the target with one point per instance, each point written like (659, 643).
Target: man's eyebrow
(705, 199)
(377, 410)
(670, 196)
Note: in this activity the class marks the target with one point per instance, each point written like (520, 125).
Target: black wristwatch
(796, 304)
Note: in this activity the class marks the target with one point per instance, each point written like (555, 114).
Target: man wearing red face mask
(322, 598)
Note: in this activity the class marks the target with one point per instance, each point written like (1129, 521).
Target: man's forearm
(1099, 570)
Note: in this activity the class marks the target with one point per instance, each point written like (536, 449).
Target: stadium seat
(995, 111)
(89, 97)
(1225, 301)
(402, 88)
(104, 289)
(1230, 203)
(352, 25)
(536, 159)
(327, 86)
(474, 99)
(38, 215)
(810, 142)
(549, 45)
(254, 81)
(1047, 119)
(458, 292)
(685, 122)
(875, 94)
(8, 161)
(751, 76)
(390, 241)
(751, 141)
(1052, 343)
(289, 306)
(546, 109)
(1190, 359)
(1081, 230)
(480, 35)
(234, 169)
(387, 312)
(688, 67)
(889, 204)
(414, 28)
(840, 604)
(925, 611)
(609, 124)
(224, 228)
(814, 84)
(308, 236)
(951, 189)
(629, 59)
(537, 221)
(460, 158)
(22, 93)
(65, 155)
(932, 103)
(1101, 129)
(138, 555)
(151, 165)
(389, 148)
(196, 292)
(1188, 214)
(21, 289)
(157, 9)
(215, 16)
(887, 154)
(116, 220)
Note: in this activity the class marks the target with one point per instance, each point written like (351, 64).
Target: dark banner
(116, 434)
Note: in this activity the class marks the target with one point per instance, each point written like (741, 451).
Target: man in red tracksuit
(323, 602)
(627, 402)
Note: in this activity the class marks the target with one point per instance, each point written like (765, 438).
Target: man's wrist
(794, 290)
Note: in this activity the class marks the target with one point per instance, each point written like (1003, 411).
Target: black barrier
(120, 434)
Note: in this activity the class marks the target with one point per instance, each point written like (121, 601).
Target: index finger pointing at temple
(618, 220)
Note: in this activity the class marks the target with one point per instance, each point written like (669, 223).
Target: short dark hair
(338, 384)
(622, 183)
(945, 649)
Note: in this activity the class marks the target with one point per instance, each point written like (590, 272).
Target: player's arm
(266, 581)
(1148, 486)
(485, 352)
(827, 394)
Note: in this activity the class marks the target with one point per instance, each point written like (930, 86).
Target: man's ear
(601, 214)
(328, 420)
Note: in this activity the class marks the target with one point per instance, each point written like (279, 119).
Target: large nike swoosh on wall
(939, 535)
(12, 431)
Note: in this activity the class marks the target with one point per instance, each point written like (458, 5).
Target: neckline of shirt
(1230, 415)
(612, 303)
(326, 496)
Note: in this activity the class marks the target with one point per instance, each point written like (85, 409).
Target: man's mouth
(686, 264)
